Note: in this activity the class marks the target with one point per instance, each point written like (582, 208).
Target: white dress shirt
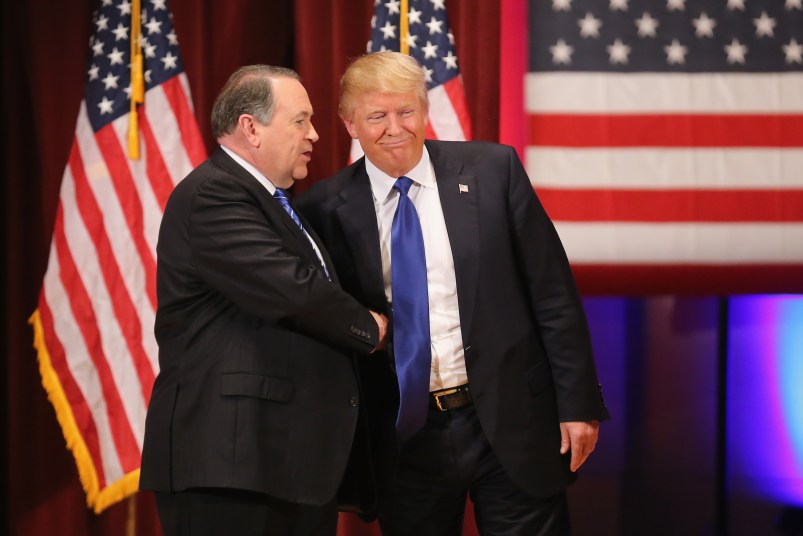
(270, 187)
(448, 358)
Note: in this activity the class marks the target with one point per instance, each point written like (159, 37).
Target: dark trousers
(449, 459)
(224, 512)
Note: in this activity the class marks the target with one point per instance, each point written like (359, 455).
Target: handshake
(382, 323)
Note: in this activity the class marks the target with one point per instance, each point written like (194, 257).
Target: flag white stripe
(117, 230)
(653, 93)
(151, 219)
(443, 119)
(147, 198)
(79, 363)
(167, 133)
(680, 243)
(355, 151)
(112, 339)
(661, 168)
(185, 86)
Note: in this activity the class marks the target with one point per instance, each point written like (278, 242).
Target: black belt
(448, 399)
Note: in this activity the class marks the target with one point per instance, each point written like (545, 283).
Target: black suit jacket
(527, 346)
(256, 388)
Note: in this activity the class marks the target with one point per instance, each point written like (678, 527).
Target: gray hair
(247, 91)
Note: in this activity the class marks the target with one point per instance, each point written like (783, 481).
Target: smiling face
(285, 144)
(391, 128)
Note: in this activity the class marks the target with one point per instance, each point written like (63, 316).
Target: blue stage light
(765, 397)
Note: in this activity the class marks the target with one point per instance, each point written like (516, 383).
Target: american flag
(94, 323)
(666, 141)
(431, 42)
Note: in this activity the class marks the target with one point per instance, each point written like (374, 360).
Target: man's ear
(350, 127)
(247, 125)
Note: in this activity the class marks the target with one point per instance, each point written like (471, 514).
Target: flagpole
(404, 29)
(131, 517)
(137, 82)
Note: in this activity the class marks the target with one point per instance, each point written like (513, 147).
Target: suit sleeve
(244, 255)
(555, 301)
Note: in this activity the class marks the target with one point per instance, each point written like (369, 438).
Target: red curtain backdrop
(44, 52)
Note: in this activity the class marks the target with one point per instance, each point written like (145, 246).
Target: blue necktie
(281, 196)
(411, 344)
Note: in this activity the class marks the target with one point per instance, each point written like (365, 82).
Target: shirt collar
(251, 169)
(382, 183)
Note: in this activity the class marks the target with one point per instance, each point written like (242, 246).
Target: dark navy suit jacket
(527, 347)
(257, 388)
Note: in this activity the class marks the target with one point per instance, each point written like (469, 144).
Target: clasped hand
(382, 323)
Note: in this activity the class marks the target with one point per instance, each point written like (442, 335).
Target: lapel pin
(463, 188)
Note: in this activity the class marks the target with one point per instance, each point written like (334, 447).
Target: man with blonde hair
(489, 388)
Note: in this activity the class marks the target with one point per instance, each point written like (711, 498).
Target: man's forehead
(293, 103)
(387, 99)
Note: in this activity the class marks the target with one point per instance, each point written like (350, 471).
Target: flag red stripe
(78, 406)
(124, 309)
(673, 205)
(190, 134)
(454, 90)
(430, 131)
(641, 279)
(115, 158)
(124, 441)
(156, 170)
(513, 65)
(633, 130)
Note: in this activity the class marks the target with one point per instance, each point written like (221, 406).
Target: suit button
(353, 401)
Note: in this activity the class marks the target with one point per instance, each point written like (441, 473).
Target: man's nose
(312, 134)
(394, 124)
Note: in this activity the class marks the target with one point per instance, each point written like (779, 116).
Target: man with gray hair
(253, 412)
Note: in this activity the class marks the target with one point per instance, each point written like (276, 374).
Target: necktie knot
(403, 184)
(281, 196)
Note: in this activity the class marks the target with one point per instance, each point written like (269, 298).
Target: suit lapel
(357, 215)
(270, 205)
(459, 194)
(327, 260)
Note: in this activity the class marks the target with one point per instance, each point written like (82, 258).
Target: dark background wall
(659, 467)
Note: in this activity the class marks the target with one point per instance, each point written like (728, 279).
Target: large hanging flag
(94, 323)
(666, 141)
(420, 28)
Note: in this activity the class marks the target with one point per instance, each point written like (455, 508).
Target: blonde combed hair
(381, 72)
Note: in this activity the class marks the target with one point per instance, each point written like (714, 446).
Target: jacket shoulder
(327, 191)
(468, 151)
